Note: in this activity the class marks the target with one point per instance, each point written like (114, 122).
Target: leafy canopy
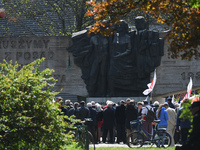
(183, 18)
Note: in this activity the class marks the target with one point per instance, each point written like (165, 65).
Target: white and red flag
(150, 85)
(189, 89)
(173, 99)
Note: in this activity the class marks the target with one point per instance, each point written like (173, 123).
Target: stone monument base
(102, 100)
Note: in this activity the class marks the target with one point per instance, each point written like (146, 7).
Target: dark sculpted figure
(98, 74)
(118, 65)
(91, 55)
(122, 70)
(149, 48)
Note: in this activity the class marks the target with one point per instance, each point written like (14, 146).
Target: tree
(195, 3)
(47, 17)
(182, 17)
(28, 117)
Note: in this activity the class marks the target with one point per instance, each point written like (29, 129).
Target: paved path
(119, 145)
(115, 145)
(109, 145)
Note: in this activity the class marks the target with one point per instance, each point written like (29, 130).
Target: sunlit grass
(126, 148)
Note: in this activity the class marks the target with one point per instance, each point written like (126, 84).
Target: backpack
(150, 115)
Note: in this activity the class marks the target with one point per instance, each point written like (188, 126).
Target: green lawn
(125, 148)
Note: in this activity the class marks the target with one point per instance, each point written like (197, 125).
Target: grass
(126, 148)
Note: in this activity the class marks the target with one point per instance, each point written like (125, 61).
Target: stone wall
(172, 75)
(27, 49)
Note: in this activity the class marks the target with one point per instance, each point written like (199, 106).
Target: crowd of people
(110, 123)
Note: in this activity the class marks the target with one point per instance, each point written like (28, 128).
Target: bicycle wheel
(91, 138)
(135, 139)
(163, 141)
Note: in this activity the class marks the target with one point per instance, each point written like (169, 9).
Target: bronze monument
(118, 65)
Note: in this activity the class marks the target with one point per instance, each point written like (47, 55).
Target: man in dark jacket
(108, 116)
(83, 112)
(194, 138)
(183, 126)
(169, 101)
(120, 120)
(131, 114)
(93, 123)
(60, 101)
(74, 110)
(68, 104)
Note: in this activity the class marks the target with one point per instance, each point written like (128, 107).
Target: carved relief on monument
(25, 50)
(23, 44)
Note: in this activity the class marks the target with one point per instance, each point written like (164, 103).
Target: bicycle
(82, 135)
(136, 138)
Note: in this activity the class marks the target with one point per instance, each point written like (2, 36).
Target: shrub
(28, 117)
(186, 113)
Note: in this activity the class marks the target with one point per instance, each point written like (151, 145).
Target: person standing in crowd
(169, 101)
(107, 102)
(176, 134)
(68, 104)
(163, 117)
(131, 114)
(83, 112)
(93, 104)
(93, 123)
(155, 106)
(194, 137)
(147, 125)
(171, 122)
(128, 101)
(108, 122)
(58, 99)
(99, 121)
(64, 111)
(139, 108)
(183, 125)
(177, 106)
(120, 120)
(115, 123)
(62, 108)
(74, 110)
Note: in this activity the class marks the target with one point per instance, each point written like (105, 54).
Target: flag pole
(151, 95)
(150, 99)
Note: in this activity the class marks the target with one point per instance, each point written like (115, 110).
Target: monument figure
(91, 55)
(118, 65)
(149, 48)
(98, 74)
(122, 69)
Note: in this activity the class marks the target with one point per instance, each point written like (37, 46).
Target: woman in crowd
(99, 121)
(163, 117)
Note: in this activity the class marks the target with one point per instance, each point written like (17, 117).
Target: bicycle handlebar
(156, 121)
